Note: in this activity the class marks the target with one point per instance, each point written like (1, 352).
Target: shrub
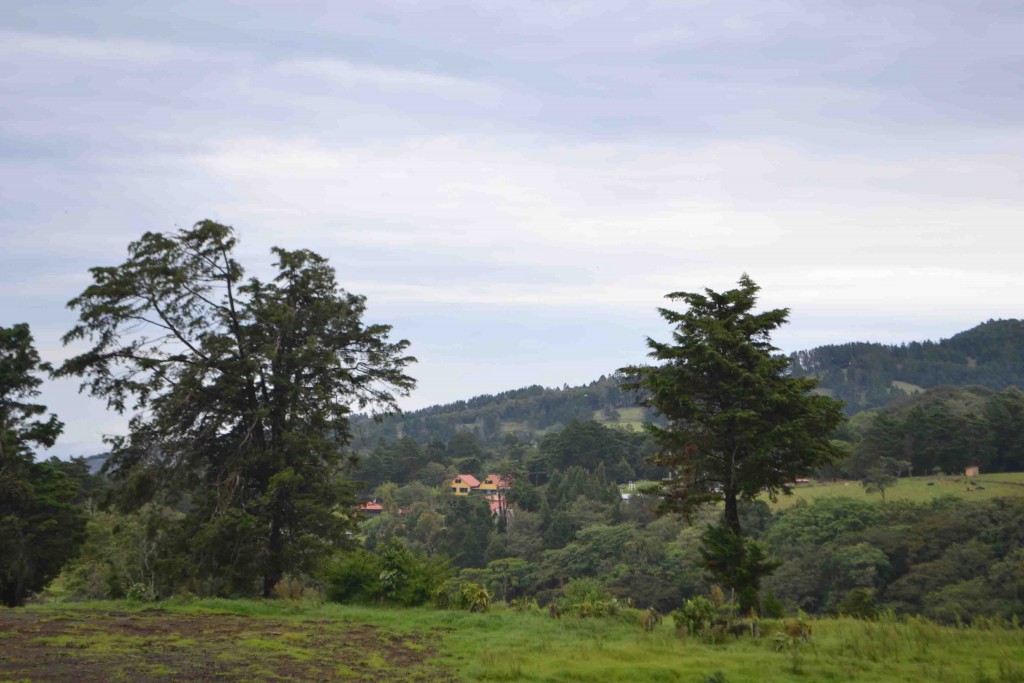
(696, 616)
(771, 607)
(462, 595)
(292, 588)
(860, 603)
(650, 619)
(394, 575)
(475, 598)
(354, 577)
(586, 598)
(139, 592)
(122, 550)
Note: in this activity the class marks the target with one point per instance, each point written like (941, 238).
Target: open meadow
(915, 489)
(253, 640)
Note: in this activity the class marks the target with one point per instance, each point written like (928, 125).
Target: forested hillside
(508, 427)
(946, 428)
(525, 413)
(865, 375)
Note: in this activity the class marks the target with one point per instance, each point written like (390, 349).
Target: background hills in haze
(929, 403)
(863, 375)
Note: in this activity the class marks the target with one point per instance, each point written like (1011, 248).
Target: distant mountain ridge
(862, 374)
(866, 375)
(524, 413)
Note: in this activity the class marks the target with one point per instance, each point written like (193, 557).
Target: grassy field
(251, 640)
(917, 489)
(628, 417)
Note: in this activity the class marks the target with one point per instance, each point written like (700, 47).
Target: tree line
(865, 375)
(240, 471)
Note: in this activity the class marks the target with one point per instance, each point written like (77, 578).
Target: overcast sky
(515, 185)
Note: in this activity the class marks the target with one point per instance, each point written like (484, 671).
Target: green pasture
(505, 645)
(628, 417)
(915, 489)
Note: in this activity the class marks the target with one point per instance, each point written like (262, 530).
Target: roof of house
(497, 503)
(371, 506)
(468, 479)
(499, 482)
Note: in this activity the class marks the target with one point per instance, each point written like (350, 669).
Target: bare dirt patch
(94, 645)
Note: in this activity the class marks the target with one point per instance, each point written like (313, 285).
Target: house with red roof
(493, 483)
(371, 508)
(464, 484)
(498, 504)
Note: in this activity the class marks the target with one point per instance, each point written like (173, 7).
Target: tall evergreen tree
(40, 525)
(241, 392)
(738, 424)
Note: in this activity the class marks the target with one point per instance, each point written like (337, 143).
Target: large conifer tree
(240, 391)
(738, 424)
(40, 525)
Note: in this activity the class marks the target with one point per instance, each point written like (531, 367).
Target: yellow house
(493, 483)
(464, 484)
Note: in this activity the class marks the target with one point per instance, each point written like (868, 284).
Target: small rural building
(492, 483)
(500, 508)
(498, 504)
(371, 509)
(464, 484)
(972, 471)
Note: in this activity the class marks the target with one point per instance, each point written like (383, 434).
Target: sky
(515, 186)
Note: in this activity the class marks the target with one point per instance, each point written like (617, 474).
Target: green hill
(864, 375)
(526, 413)
(867, 375)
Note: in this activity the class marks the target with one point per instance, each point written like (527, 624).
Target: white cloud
(350, 74)
(128, 53)
(927, 237)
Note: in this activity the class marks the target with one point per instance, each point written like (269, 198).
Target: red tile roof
(498, 481)
(469, 479)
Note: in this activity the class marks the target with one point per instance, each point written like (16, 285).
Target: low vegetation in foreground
(283, 640)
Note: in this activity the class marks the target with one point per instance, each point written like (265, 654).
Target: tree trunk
(732, 513)
(275, 548)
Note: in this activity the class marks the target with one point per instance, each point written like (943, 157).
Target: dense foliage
(41, 524)
(944, 429)
(738, 424)
(524, 413)
(237, 477)
(867, 375)
(948, 560)
(240, 390)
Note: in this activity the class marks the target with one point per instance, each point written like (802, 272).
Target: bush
(696, 616)
(461, 595)
(122, 551)
(860, 603)
(586, 598)
(354, 577)
(140, 592)
(291, 588)
(771, 607)
(395, 575)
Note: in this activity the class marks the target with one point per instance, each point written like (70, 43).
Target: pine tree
(738, 424)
